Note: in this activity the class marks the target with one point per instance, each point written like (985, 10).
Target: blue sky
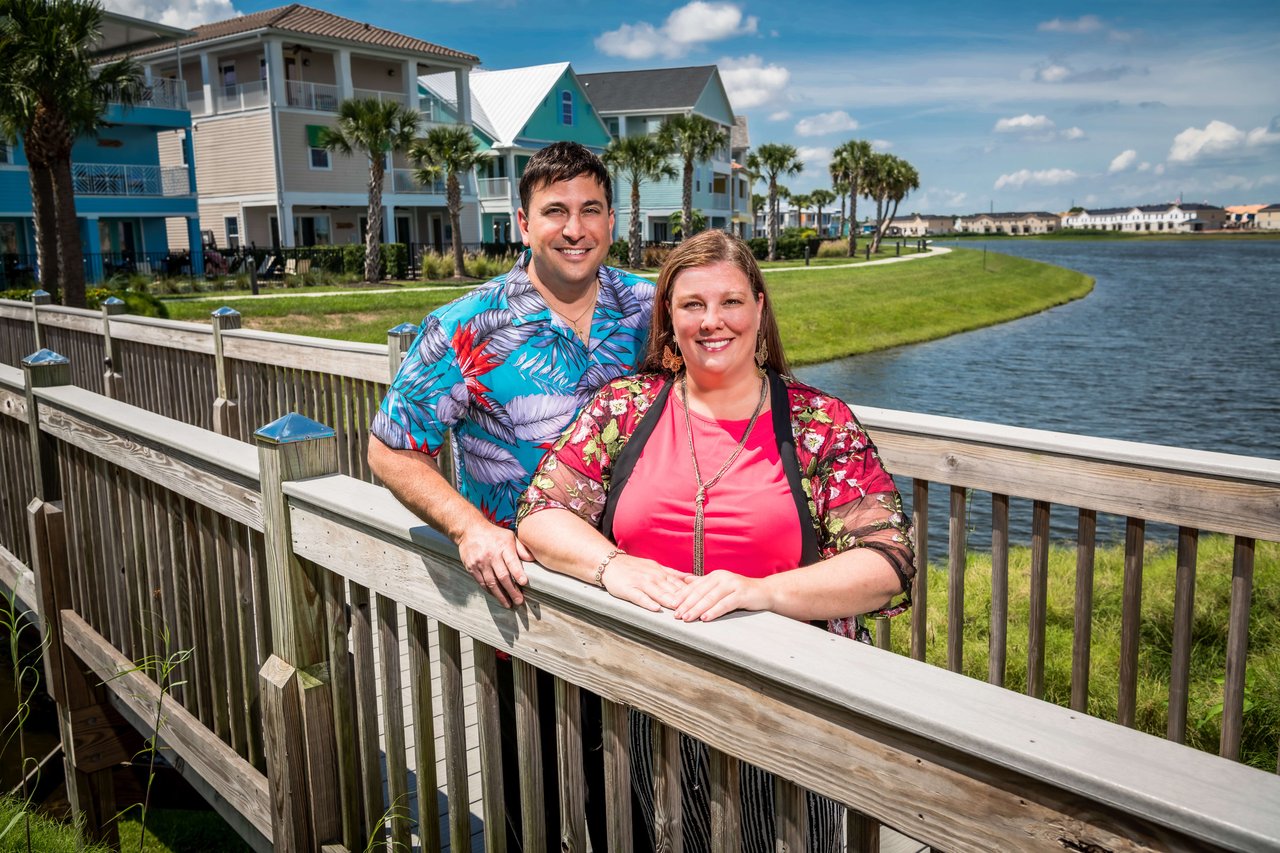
(1016, 106)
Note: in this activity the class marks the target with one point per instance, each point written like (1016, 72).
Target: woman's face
(715, 318)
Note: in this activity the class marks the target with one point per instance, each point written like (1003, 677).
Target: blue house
(516, 112)
(127, 203)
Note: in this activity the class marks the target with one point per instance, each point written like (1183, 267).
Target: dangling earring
(762, 354)
(672, 360)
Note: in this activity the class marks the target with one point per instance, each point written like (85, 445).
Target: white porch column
(146, 74)
(345, 88)
(284, 214)
(462, 78)
(388, 224)
(513, 190)
(206, 80)
(409, 81)
(275, 78)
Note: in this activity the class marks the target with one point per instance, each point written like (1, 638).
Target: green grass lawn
(1209, 637)
(824, 313)
(167, 831)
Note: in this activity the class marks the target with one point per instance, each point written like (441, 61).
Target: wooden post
(399, 340)
(38, 298)
(225, 418)
(111, 379)
(301, 742)
(89, 743)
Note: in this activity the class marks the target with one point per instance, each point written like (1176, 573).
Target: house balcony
(231, 99)
(115, 179)
(166, 93)
(313, 96)
(438, 111)
(719, 201)
(383, 97)
(494, 188)
(402, 181)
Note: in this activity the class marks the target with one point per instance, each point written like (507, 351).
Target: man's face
(568, 226)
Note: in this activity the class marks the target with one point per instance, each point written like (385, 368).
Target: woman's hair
(701, 250)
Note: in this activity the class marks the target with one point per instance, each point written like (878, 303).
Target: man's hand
(492, 555)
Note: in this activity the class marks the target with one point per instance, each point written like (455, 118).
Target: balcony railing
(163, 92)
(312, 96)
(246, 96)
(123, 180)
(383, 97)
(495, 188)
(438, 110)
(402, 182)
(720, 200)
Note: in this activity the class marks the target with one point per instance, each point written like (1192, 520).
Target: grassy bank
(1094, 234)
(167, 830)
(825, 313)
(1209, 637)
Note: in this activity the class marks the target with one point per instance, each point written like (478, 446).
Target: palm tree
(448, 152)
(698, 223)
(852, 158)
(801, 202)
(771, 161)
(820, 199)
(693, 138)
(639, 159)
(52, 95)
(757, 202)
(373, 128)
(889, 180)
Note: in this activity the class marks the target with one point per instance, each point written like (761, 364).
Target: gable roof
(303, 20)
(649, 89)
(510, 96)
(445, 86)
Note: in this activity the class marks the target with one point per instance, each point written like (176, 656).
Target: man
(508, 366)
(506, 369)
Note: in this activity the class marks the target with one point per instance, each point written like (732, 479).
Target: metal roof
(649, 89)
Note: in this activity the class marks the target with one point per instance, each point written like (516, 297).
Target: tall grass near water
(1208, 644)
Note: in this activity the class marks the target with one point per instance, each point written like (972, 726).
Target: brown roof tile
(304, 20)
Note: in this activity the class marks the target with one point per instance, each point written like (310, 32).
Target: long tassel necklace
(573, 323)
(699, 499)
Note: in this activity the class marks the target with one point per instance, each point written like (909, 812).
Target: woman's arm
(565, 543)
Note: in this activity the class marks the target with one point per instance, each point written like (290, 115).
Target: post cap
(403, 329)
(40, 294)
(292, 427)
(224, 311)
(113, 300)
(44, 357)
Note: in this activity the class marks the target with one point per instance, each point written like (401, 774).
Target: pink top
(751, 526)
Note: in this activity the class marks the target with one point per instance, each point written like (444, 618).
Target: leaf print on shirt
(432, 341)
(489, 463)
(501, 337)
(540, 418)
(474, 361)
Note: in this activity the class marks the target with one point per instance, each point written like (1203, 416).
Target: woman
(714, 482)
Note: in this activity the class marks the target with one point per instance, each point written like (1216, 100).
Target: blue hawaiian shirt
(507, 376)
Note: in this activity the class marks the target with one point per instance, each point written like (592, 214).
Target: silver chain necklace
(699, 519)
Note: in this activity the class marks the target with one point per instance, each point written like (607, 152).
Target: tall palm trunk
(842, 219)
(373, 234)
(46, 225)
(686, 202)
(853, 219)
(633, 231)
(70, 246)
(773, 219)
(454, 199)
(879, 232)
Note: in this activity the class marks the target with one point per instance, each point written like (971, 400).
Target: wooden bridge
(170, 486)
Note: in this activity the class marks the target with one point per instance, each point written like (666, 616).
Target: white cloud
(1024, 123)
(750, 83)
(940, 200)
(1080, 26)
(780, 115)
(1159, 169)
(1045, 178)
(824, 123)
(815, 158)
(693, 24)
(1218, 137)
(1122, 161)
(1071, 134)
(1144, 167)
(881, 144)
(1053, 73)
(175, 13)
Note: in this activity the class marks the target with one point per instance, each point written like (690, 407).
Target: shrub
(620, 251)
(654, 256)
(139, 303)
(834, 249)
(759, 247)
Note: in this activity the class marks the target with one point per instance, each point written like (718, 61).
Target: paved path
(935, 250)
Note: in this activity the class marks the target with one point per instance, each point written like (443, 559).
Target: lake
(1178, 344)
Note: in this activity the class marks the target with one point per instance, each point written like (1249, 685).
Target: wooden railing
(308, 597)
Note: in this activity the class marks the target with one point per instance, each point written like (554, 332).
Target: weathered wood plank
(424, 731)
(998, 644)
(1039, 595)
(1237, 648)
(956, 550)
(726, 803)
(303, 352)
(362, 620)
(454, 729)
(1183, 619)
(791, 826)
(569, 764)
(489, 732)
(668, 818)
(617, 775)
(1082, 634)
(920, 583)
(1130, 621)
(529, 756)
(286, 756)
(393, 721)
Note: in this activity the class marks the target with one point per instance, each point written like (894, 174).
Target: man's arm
(489, 552)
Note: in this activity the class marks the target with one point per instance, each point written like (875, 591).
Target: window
(228, 75)
(231, 224)
(566, 107)
(311, 231)
(613, 127)
(320, 158)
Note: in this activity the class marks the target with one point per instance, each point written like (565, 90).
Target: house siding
(545, 123)
(345, 175)
(714, 105)
(234, 156)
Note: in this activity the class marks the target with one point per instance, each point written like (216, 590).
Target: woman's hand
(646, 583)
(713, 595)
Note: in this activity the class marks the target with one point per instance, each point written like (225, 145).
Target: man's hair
(563, 161)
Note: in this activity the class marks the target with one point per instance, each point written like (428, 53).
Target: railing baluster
(1086, 535)
(920, 585)
(1039, 598)
(790, 816)
(955, 581)
(617, 775)
(726, 803)
(362, 620)
(342, 690)
(862, 833)
(573, 798)
(393, 721)
(668, 827)
(998, 644)
(485, 664)
(424, 731)
(1131, 620)
(455, 738)
(1184, 598)
(1237, 648)
(529, 738)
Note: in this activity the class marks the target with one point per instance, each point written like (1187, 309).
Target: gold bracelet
(604, 564)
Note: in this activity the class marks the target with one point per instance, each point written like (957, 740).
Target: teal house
(515, 113)
(127, 202)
